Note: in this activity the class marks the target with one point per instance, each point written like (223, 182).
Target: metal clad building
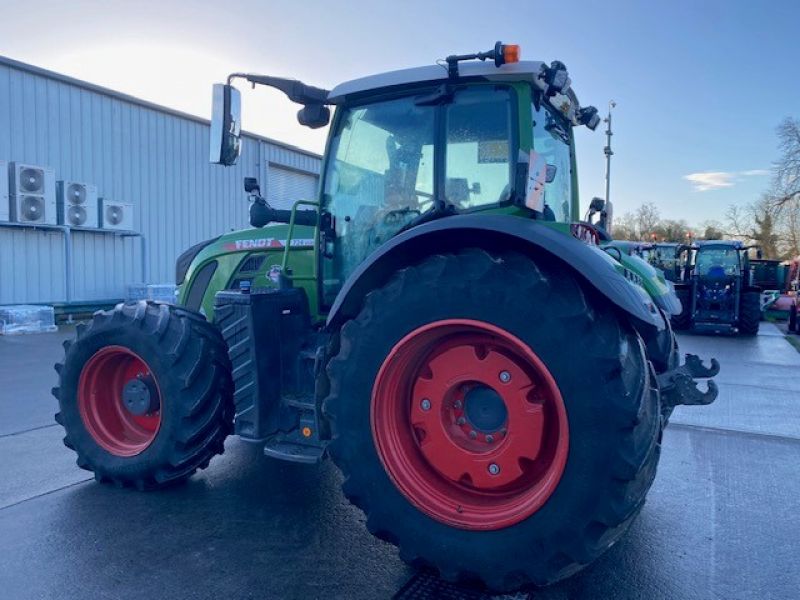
(135, 152)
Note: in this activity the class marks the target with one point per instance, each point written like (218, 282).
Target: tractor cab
(667, 257)
(480, 133)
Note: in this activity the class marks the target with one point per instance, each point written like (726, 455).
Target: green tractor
(492, 387)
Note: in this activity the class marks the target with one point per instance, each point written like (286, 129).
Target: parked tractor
(667, 257)
(717, 293)
(492, 387)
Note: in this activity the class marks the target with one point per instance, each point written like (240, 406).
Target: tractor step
(678, 386)
(294, 452)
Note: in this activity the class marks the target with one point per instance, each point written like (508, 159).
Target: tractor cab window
(551, 141)
(378, 179)
(717, 262)
(380, 176)
(479, 145)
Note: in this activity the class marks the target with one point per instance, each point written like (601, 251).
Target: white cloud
(715, 180)
(710, 180)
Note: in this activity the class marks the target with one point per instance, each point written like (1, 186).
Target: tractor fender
(497, 233)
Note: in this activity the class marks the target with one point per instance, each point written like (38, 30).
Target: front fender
(497, 233)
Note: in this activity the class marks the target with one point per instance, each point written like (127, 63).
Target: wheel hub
(139, 397)
(484, 409)
(119, 401)
(469, 424)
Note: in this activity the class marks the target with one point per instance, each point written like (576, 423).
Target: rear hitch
(678, 386)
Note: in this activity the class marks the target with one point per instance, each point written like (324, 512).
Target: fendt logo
(261, 243)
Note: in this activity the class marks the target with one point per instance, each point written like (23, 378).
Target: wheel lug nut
(457, 404)
(461, 421)
(494, 469)
(489, 439)
(425, 404)
(473, 434)
(505, 376)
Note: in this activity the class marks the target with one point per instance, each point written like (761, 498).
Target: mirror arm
(296, 91)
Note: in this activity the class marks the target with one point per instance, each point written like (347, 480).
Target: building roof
(97, 89)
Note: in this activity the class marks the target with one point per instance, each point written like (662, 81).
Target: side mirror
(314, 115)
(226, 115)
(251, 185)
(597, 204)
(759, 254)
(550, 173)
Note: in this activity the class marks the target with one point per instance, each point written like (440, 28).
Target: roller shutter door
(285, 187)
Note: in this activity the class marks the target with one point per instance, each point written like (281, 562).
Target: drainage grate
(427, 586)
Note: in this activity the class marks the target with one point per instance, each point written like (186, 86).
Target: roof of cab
(730, 243)
(525, 70)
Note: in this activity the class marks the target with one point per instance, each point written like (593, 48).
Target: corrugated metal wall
(134, 152)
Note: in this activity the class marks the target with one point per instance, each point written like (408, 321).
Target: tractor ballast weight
(438, 323)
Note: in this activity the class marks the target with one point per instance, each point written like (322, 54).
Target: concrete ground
(721, 520)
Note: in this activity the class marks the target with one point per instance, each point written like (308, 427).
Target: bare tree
(625, 227)
(669, 230)
(738, 221)
(711, 230)
(647, 219)
(786, 178)
(789, 228)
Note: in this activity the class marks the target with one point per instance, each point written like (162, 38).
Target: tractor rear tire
(750, 315)
(458, 328)
(683, 320)
(145, 394)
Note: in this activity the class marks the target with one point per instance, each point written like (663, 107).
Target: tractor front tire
(750, 313)
(683, 320)
(145, 394)
(492, 419)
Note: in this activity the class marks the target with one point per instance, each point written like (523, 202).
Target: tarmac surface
(721, 520)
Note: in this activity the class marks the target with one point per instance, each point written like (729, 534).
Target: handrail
(289, 234)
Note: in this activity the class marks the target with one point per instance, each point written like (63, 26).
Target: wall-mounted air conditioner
(115, 215)
(5, 211)
(76, 203)
(33, 194)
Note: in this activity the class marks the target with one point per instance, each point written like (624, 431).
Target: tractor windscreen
(717, 262)
(380, 175)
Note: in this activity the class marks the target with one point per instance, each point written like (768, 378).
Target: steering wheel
(399, 216)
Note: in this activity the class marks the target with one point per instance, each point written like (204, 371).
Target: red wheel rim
(469, 424)
(101, 405)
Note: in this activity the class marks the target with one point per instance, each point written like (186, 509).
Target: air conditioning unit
(32, 191)
(5, 210)
(76, 203)
(115, 215)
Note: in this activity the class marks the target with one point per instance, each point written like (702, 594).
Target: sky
(700, 85)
